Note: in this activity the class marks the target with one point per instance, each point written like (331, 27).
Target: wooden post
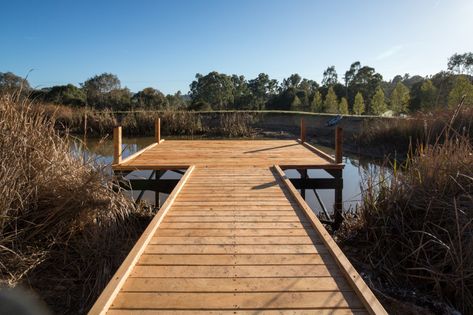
(117, 145)
(157, 130)
(339, 145)
(302, 130)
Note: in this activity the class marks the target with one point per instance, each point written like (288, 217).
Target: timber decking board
(233, 239)
(174, 154)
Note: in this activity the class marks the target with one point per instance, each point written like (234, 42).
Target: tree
(177, 101)
(214, 89)
(316, 105)
(118, 99)
(331, 102)
(461, 63)
(330, 77)
(11, 83)
(350, 75)
(427, 95)
(343, 106)
(97, 88)
(262, 89)
(296, 104)
(359, 105)
(150, 98)
(462, 88)
(292, 82)
(400, 98)
(378, 105)
(66, 95)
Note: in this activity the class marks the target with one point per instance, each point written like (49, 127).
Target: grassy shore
(399, 136)
(63, 227)
(414, 230)
(141, 123)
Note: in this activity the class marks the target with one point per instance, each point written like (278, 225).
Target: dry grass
(398, 135)
(415, 225)
(139, 123)
(63, 228)
(236, 124)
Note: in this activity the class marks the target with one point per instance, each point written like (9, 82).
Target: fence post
(339, 145)
(157, 130)
(302, 130)
(117, 145)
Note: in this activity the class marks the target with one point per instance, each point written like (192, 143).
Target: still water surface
(100, 151)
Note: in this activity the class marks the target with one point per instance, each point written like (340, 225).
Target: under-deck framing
(235, 236)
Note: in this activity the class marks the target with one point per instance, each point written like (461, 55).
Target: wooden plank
(235, 249)
(318, 311)
(363, 291)
(236, 225)
(235, 259)
(238, 271)
(233, 208)
(230, 212)
(111, 290)
(235, 285)
(240, 240)
(230, 232)
(254, 300)
(128, 159)
(246, 218)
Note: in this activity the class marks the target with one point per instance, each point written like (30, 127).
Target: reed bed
(399, 135)
(64, 226)
(415, 225)
(82, 121)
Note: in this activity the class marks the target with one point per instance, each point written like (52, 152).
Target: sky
(163, 44)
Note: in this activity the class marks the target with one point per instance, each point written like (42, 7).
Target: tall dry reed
(63, 228)
(415, 225)
(398, 135)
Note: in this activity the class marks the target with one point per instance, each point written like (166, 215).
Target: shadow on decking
(271, 148)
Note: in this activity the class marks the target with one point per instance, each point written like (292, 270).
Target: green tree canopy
(343, 106)
(150, 98)
(462, 87)
(66, 95)
(427, 95)
(330, 77)
(262, 89)
(99, 87)
(331, 102)
(359, 105)
(378, 104)
(10, 83)
(461, 63)
(400, 98)
(215, 89)
(316, 105)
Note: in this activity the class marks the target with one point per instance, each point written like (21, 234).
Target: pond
(100, 153)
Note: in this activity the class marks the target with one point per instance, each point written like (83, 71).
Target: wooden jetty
(235, 236)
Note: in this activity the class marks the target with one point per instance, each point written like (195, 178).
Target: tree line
(361, 90)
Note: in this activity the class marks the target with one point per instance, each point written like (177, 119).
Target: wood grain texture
(235, 240)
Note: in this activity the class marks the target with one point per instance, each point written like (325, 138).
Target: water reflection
(100, 151)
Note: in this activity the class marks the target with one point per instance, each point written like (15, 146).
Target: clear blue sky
(163, 44)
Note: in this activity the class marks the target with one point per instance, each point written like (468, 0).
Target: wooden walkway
(235, 237)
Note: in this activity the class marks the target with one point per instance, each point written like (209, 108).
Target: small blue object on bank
(334, 121)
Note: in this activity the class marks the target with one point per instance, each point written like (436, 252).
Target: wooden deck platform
(235, 237)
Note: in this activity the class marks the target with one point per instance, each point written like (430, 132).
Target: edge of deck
(124, 165)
